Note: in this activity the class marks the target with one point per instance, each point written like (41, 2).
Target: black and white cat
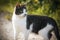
(42, 25)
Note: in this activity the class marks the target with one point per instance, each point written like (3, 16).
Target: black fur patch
(39, 22)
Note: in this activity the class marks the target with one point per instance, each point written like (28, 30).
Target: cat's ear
(18, 4)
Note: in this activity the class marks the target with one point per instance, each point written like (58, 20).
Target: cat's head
(20, 9)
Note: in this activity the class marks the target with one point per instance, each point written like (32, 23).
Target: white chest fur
(19, 22)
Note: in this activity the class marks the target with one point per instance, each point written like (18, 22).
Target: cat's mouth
(22, 15)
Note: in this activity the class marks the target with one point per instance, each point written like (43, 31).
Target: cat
(22, 22)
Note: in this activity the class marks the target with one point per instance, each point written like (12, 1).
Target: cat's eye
(21, 11)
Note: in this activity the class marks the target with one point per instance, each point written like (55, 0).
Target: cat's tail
(56, 31)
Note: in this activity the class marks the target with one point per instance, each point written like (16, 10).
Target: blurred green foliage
(49, 8)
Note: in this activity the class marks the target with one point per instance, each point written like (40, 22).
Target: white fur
(43, 32)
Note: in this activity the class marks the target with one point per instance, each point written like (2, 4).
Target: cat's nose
(25, 14)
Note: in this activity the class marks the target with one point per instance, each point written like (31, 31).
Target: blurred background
(49, 8)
